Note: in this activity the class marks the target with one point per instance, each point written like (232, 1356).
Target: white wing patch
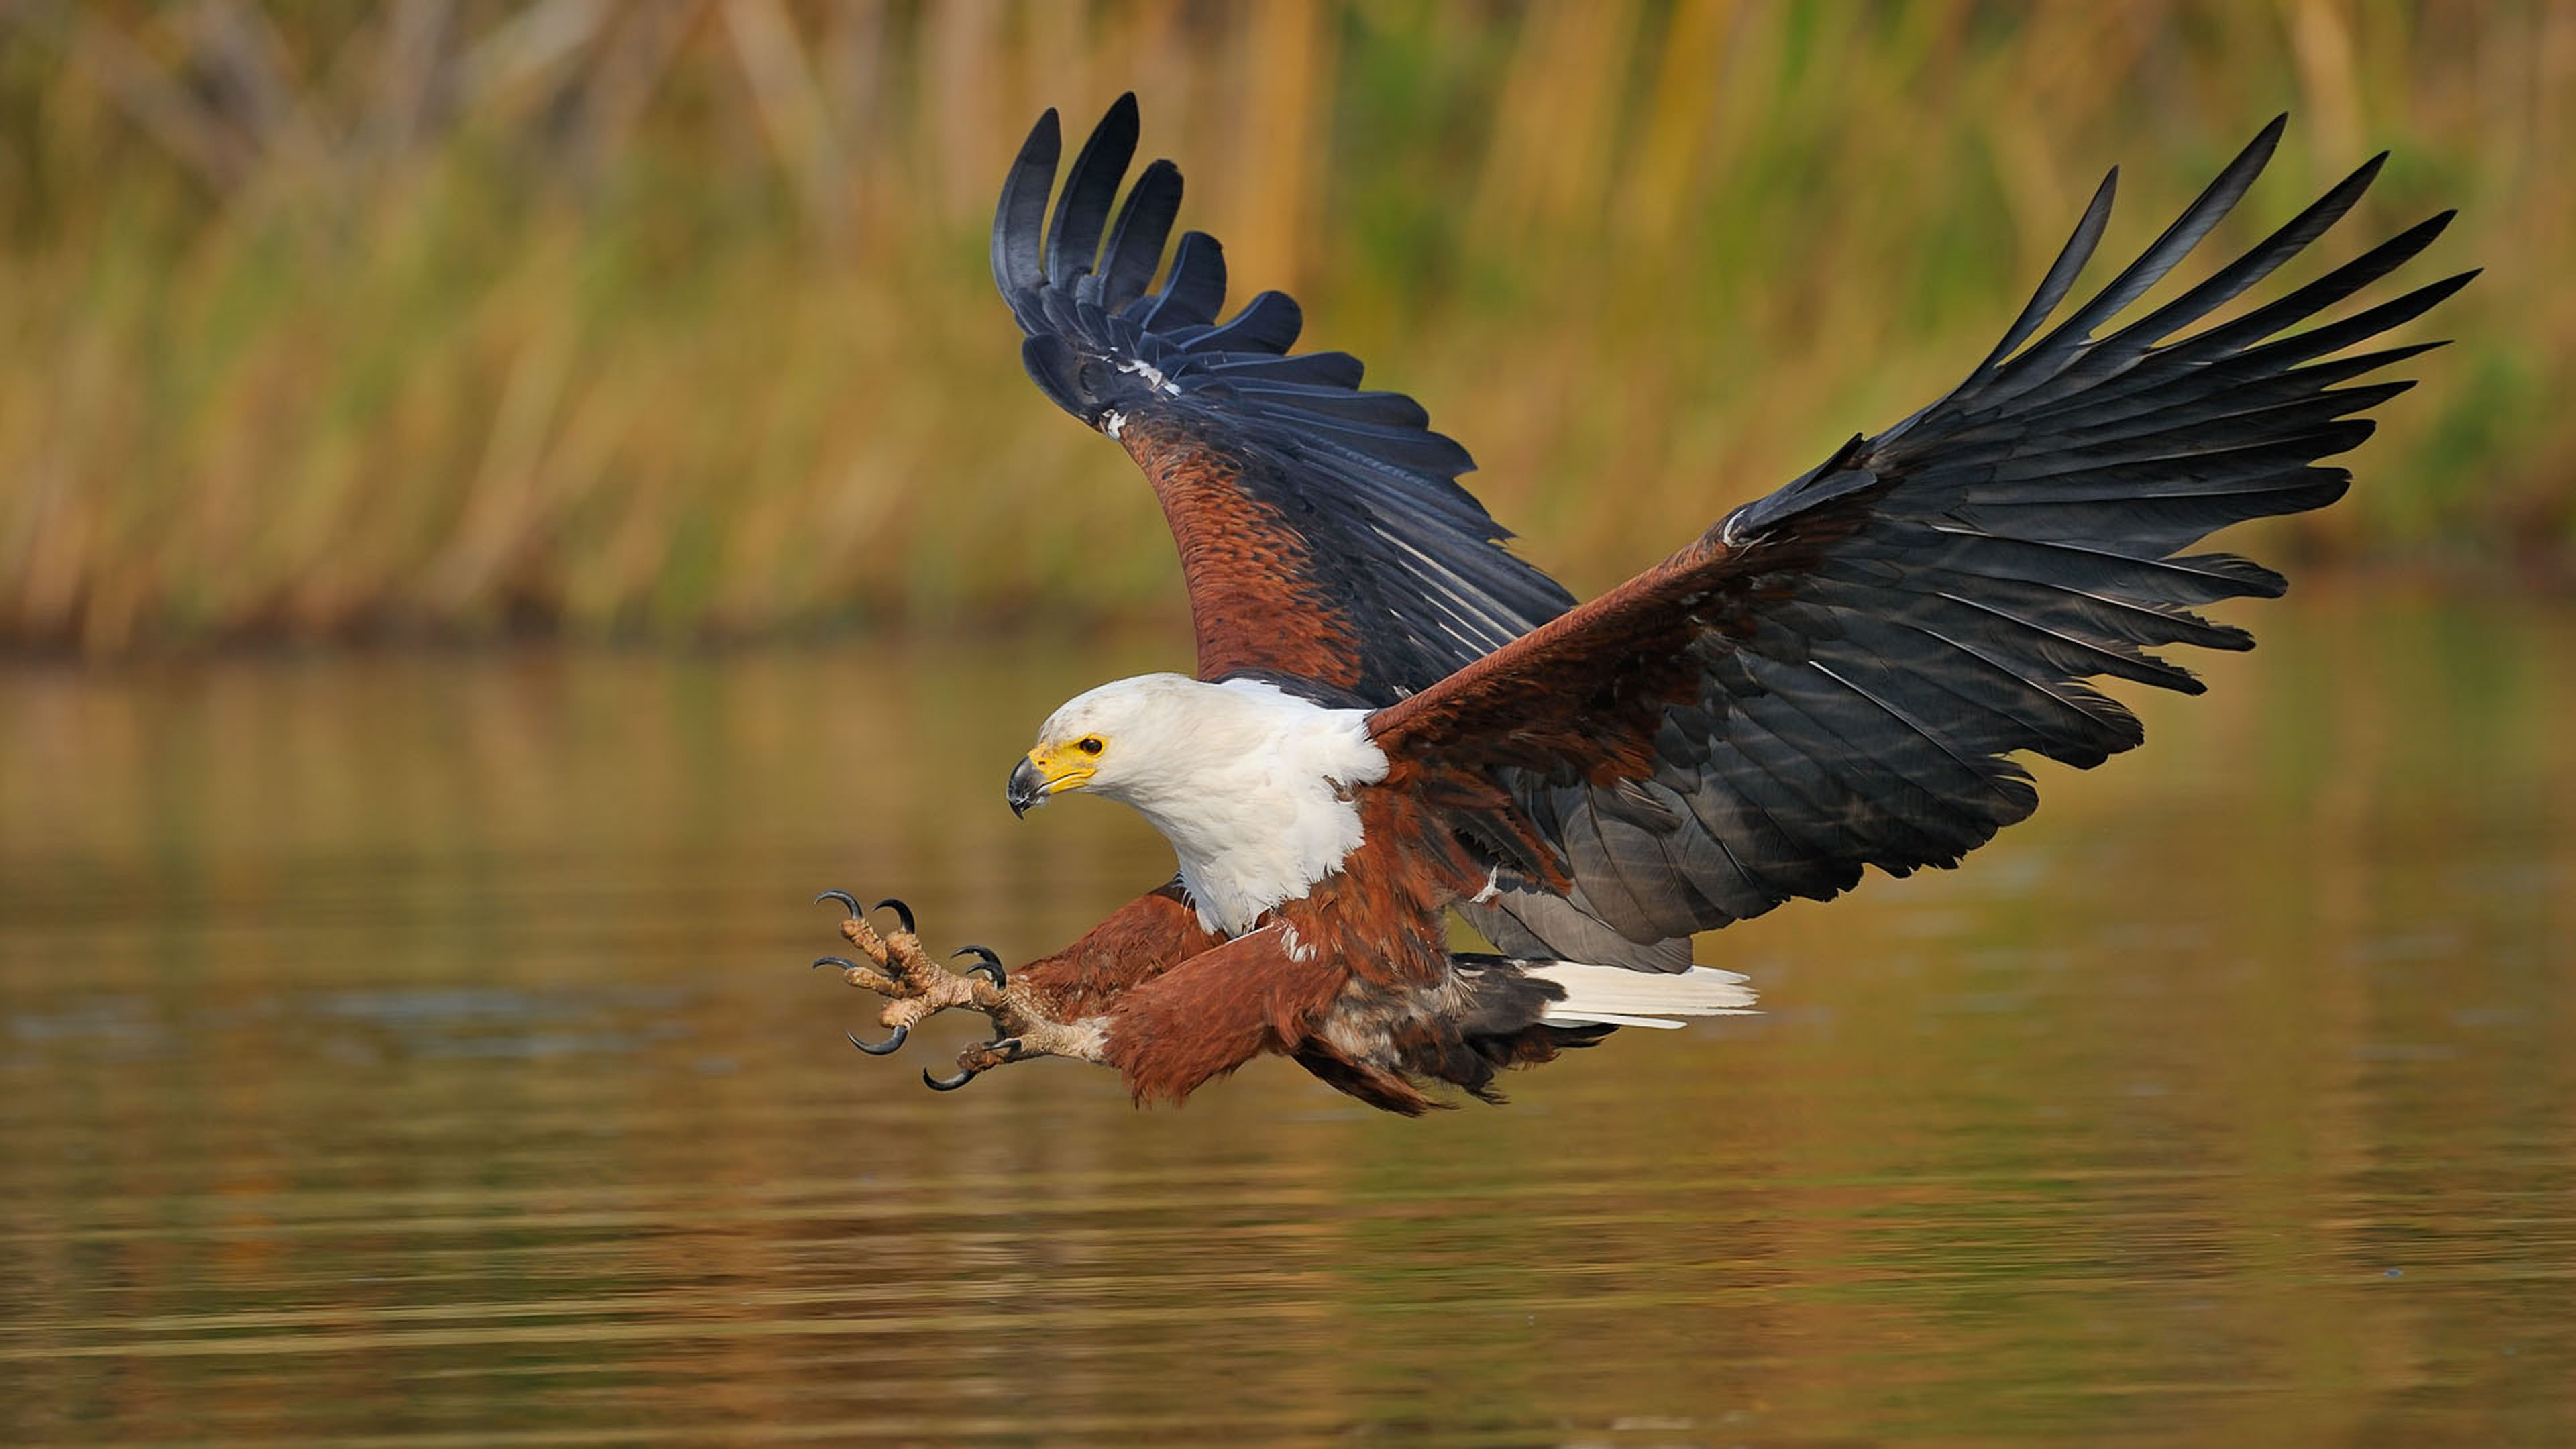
(1151, 374)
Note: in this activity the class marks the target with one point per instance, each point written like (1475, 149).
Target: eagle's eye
(1088, 744)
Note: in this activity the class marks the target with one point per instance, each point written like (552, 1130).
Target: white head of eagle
(1251, 784)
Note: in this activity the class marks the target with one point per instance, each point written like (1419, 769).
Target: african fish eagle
(1394, 718)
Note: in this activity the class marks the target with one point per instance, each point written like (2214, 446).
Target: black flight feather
(1876, 642)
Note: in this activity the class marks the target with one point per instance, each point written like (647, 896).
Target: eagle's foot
(1023, 1035)
(916, 987)
(895, 966)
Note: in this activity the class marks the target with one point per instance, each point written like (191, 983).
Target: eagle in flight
(1394, 718)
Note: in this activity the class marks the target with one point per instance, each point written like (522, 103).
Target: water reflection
(408, 1049)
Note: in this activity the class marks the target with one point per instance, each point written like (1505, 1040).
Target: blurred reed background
(671, 319)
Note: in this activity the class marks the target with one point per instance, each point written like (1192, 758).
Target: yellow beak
(1046, 771)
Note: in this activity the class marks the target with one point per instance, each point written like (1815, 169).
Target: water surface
(420, 1050)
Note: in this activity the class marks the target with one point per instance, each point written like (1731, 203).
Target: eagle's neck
(1253, 790)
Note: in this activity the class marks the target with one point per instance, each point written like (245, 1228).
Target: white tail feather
(1612, 1018)
(1617, 996)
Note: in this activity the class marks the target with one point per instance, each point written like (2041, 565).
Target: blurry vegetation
(672, 319)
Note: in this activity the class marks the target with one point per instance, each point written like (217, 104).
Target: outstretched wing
(1322, 530)
(1836, 675)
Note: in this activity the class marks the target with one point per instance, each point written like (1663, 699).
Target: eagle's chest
(1271, 851)
(1262, 801)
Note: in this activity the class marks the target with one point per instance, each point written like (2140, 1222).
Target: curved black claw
(847, 900)
(841, 961)
(902, 912)
(986, 964)
(947, 1084)
(884, 1047)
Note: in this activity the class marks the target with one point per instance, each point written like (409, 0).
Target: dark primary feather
(1136, 246)
(1398, 574)
(1839, 674)
(1082, 208)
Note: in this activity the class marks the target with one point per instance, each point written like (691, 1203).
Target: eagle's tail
(1616, 996)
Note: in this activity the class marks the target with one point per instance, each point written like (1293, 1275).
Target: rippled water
(421, 1050)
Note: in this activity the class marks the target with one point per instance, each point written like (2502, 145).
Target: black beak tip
(1027, 788)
